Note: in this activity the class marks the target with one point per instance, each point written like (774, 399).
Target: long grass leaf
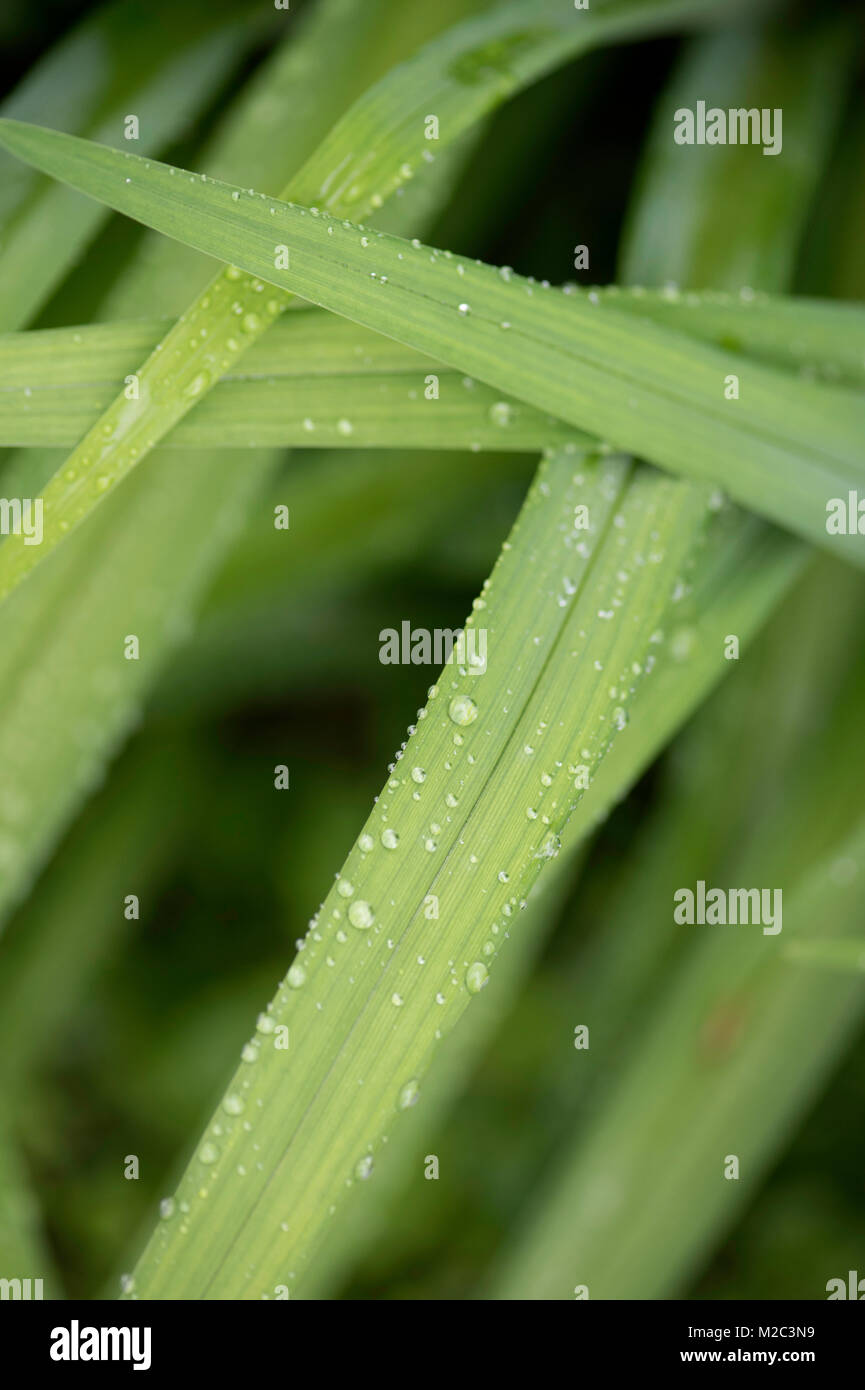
(562, 353)
(59, 660)
(57, 382)
(89, 83)
(469, 70)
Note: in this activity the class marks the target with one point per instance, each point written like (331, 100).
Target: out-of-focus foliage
(153, 782)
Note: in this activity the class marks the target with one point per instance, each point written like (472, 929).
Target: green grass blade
(75, 619)
(332, 52)
(693, 217)
(89, 83)
(820, 339)
(375, 960)
(754, 1092)
(523, 1270)
(313, 381)
(52, 645)
(58, 381)
(469, 70)
(785, 448)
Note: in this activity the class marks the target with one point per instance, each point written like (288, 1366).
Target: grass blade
(470, 70)
(90, 82)
(54, 644)
(375, 961)
(58, 381)
(562, 353)
(313, 381)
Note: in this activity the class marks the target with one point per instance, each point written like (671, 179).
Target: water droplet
(296, 977)
(501, 413)
(389, 838)
(208, 1153)
(344, 427)
(250, 323)
(249, 1053)
(264, 1023)
(363, 1167)
(366, 843)
(166, 1208)
(418, 774)
(199, 383)
(408, 1095)
(233, 1104)
(462, 710)
(344, 888)
(463, 308)
(477, 976)
(361, 915)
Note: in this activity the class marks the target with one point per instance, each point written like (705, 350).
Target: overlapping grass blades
(783, 446)
(61, 720)
(88, 83)
(470, 70)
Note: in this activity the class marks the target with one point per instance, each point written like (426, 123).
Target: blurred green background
(117, 1035)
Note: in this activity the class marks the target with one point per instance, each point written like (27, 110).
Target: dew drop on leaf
(408, 1095)
(477, 976)
(462, 710)
(198, 384)
(361, 915)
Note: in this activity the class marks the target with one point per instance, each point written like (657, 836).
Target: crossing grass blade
(313, 375)
(405, 937)
(88, 83)
(783, 447)
(313, 381)
(692, 1019)
(469, 70)
(754, 1099)
(69, 697)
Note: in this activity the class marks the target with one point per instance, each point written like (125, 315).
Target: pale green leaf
(377, 146)
(784, 447)
(89, 82)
